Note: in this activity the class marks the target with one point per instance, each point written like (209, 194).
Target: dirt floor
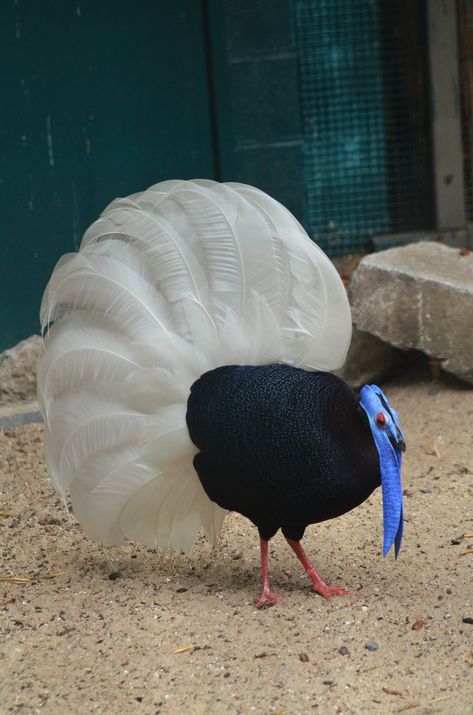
(89, 630)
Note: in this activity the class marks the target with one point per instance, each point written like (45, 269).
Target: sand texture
(124, 630)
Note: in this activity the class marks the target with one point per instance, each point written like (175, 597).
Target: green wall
(98, 99)
(259, 117)
(321, 103)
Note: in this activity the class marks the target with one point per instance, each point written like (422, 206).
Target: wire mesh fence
(364, 110)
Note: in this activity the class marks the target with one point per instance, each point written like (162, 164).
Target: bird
(190, 346)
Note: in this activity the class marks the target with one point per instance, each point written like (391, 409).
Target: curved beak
(398, 442)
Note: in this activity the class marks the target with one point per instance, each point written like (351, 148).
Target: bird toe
(330, 591)
(266, 600)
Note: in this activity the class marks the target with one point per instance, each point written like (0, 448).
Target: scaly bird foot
(267, 599)
(318, 583)
(328, 591)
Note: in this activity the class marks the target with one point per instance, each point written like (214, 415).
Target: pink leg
(268, 597)
(317, 581)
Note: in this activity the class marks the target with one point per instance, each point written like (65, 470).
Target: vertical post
(446, 115)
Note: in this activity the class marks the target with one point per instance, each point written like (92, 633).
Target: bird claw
(328, 591)
(266, 600)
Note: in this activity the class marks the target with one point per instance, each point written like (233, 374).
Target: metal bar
(448, 178)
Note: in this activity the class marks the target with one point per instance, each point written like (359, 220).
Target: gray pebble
(371, 645)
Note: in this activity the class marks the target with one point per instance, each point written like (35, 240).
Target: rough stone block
(419, 296)
(369, 360)
(18, 370)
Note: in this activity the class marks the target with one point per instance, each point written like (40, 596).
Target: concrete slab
(18, 370)
(17, 414)
(419, 296)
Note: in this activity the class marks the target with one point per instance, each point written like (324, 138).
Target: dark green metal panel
(256, 85)
(98, 99)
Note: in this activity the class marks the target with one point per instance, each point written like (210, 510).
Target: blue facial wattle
(389, 441)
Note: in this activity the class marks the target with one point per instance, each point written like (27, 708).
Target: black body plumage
(282, 446)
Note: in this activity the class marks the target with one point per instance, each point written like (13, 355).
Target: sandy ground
(181, 635)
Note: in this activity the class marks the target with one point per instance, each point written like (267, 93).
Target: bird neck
(354, 450)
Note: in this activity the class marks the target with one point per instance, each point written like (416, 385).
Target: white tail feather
(169, 283)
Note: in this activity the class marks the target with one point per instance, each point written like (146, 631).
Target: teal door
(98, 100)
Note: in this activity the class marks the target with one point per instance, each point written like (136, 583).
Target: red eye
(381, 419)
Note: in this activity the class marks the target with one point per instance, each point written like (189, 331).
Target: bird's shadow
(228, 568)
(416, 368)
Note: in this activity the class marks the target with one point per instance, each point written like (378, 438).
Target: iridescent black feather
(280, 445)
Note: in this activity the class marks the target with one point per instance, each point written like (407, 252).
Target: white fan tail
(170, 283)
